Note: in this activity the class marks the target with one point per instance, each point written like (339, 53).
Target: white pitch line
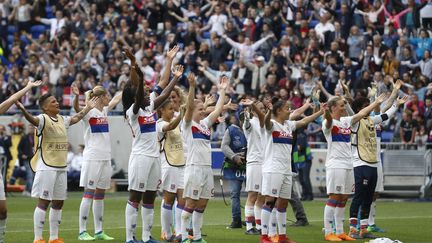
(211, 224)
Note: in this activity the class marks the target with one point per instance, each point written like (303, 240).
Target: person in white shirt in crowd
(55, 23)
(217, 21)
(247, 49)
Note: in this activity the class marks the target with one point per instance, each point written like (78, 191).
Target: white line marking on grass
(209, 224)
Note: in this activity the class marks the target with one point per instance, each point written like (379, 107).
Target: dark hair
(162, 106)
(277, 105)
(360, 103)
(43, 99)
(128, 96)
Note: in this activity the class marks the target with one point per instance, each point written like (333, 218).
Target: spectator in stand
(217, 21)
(74, 171)
(415, 105)
(25, 153)
(428, 112)
(408, 128)
(425, 64)
(247, 49)
(56, 24)
(422, 44)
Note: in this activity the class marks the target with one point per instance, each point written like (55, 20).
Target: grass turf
(407, 221)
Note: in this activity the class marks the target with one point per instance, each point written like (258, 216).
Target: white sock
(2, 229)
(166, 219)
(339, 215)
(178, 219)
(257, 214)
(147, 212)
(265, 220)
(249, 216)
(38, 221)
(84, 213)
(281, 220)
(54, 221)
(329, 215)
(197, 222)
(98, 210)
(185, 221)
(273, 223)
(131, 215)
(371, 220)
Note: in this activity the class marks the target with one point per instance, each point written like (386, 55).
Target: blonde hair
(95, 92)
(180, 94)
(333, 101)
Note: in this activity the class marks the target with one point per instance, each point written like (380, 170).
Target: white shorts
(340, 181)
(276, 185)
(172, 178)
(380, 179)
(198, 182)
(2, 189)
(253, 177)
(144, 173)
(50, 185)
(96, 174)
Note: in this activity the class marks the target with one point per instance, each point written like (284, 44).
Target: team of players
(161, 148)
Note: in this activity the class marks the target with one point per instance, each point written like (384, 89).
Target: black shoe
(252, 231)
(236, 225)
(300, 223)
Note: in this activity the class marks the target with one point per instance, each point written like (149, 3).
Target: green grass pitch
(410, 222)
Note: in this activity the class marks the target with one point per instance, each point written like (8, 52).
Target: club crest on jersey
(282, 137)
(338, 188)
(200, 133)
(340, 134)
(141, 186)
(91, 183)
(99, 124)
(173, 186)
(195, 192)
(256, 186)
(147, 123)
(45, 193)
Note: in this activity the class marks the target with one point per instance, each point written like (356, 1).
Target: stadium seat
(37, 30)
(229, 64)
(10, 39)
(11, 29)
(387, 136)
(313, 23)
(206, 35)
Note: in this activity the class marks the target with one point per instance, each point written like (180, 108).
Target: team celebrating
(171, 151)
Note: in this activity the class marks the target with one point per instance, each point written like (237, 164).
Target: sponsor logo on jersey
(91, 182)
(282, 137)
(141, 186)
(147, 123)
(99, 124)
(340, 134)
(256, 186)
(199, 133)
(274, 191)
(338, 188)
(45, 193)
(195, 192)
(173, 186)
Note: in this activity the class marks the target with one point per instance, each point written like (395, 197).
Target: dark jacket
(25, 147)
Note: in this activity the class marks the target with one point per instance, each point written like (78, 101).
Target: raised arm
(167, 91)
(303, 122)
(231, 42)
(191, 97)
(402, 13)
(135, 71)
(367, 110)
(175, 122)
(221, 100)
(260, 42)
(267, 119)
(76, 105)
(300, 111)
(139, 97)
(252, 104)
(89, 105)
(163, 82)
(32, 119)
(393, 96)
(328, 119)
(5, 105)
(114, 101)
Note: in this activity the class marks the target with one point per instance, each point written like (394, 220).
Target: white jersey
(143, 124)
(40, 164)
(278, 147)
(338, 143)
(377, 119)
(159, 125)
(254, 137)
(197, 139)
(96, 135)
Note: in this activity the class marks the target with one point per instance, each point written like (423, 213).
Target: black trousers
(365, 182)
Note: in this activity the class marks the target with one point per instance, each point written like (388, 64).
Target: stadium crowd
(269, 48)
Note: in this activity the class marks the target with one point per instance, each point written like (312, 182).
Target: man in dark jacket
(25, 153)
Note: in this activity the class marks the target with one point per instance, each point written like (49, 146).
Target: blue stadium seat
(37, 30)
(313, 23)
(387, 136)
(206, 35)
(10, 39)
(229, 64)
(11, 29)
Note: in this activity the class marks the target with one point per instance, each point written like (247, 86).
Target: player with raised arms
(49, 162)
(96, 169)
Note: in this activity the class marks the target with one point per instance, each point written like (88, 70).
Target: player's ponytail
(97, 91)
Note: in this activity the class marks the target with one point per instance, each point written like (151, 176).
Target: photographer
(234, 169)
